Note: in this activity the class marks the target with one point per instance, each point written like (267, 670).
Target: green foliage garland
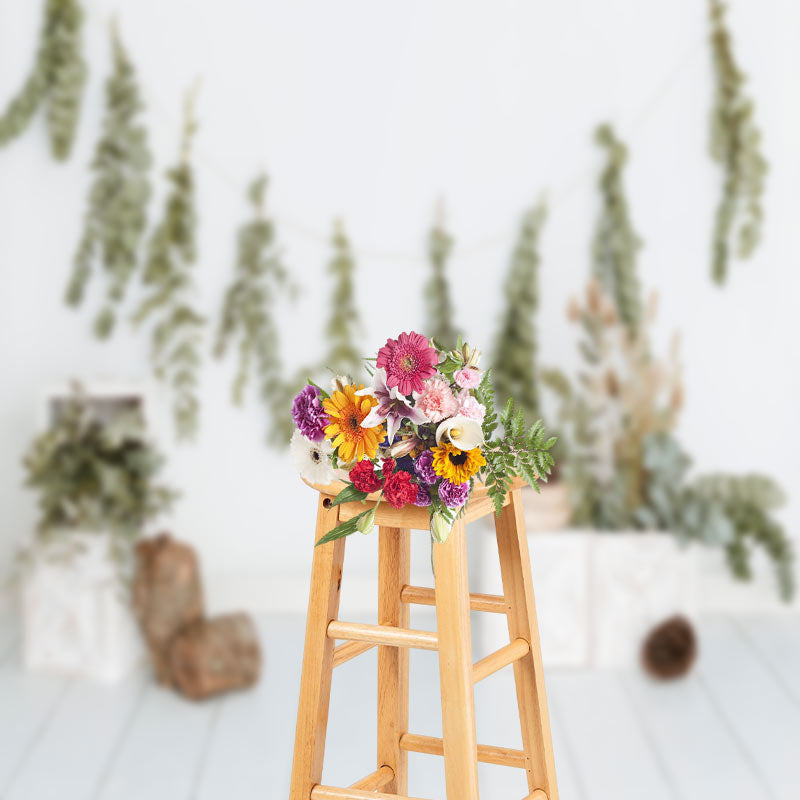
(177, 331)
(56, 80)
(616, 244)
(344, 324)
(440, 316)
(515, 351)
(248, 311)
(94, 476)
(116, 215)
(735, 145)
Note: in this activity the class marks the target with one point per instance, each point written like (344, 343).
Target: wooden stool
(453, 641)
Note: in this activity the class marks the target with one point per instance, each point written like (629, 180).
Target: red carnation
(399, 490)
(388, 467)
(364, 478)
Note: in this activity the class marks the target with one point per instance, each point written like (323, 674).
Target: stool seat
(413, 517)
(452, 640)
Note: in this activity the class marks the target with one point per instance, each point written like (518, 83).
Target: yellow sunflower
(346, 411)
(457, 466)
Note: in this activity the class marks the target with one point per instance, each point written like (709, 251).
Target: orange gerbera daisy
(346, 411)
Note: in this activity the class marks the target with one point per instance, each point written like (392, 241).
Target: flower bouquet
(421, 434)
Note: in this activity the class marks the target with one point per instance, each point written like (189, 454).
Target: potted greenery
(628, 481)
(94, 472)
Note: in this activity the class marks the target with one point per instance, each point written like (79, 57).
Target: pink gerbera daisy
(408, 361)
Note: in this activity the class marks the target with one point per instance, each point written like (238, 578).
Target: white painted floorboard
(731, 731)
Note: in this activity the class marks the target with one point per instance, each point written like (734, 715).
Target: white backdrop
(372, 111)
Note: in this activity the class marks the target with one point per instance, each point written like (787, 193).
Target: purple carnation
(423, 466)
(309, 415)
(453, 495)
(423, 498)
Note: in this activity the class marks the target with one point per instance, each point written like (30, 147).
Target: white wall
(372, 111)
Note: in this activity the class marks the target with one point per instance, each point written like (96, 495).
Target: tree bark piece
(215, 655)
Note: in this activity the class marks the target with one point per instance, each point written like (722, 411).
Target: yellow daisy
(346, 411)
(457, 466)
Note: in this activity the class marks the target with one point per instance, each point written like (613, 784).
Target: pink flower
(469, 407)
(437, 400)
(408, 360)
(467, 378)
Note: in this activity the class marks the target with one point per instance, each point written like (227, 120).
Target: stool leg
(455, 666)
(515, 566)
(315, 680)
(394, 556)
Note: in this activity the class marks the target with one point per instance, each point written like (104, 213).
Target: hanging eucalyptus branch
(248, 314)
(736, 146)
(177, 330)
(514, 366)
(56, 80)
(344, 324)
(440, 325)
(616, 243)
(116, 214)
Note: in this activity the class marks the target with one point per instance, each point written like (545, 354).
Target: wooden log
(167, 596)
(431, 745)
(422, 596)
(500, 658)
(382, 634)
(215, 655)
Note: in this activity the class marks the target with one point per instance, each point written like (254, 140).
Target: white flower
(464, 433)
(312, 459)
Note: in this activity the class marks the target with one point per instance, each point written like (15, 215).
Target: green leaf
(348, 495)
(344, 529)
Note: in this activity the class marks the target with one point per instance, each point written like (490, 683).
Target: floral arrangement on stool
(421, 434)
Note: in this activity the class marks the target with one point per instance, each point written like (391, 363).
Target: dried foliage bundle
(622, 395)
(440, 323)
(344, 325)
(56, 80)
(515, 357)
(247, 318)
(736, 146)
(116, 214)
(178, 327)
(616, 244)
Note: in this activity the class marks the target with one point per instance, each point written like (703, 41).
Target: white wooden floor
(730, 732)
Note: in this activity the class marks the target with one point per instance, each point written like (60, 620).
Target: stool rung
(504, 756)
(344, 652)
(422, 596)
(334, 793)
(538, 794)
(383, 634)
(512, 652)
(375, 780)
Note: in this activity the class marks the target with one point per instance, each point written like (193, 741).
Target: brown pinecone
(670, 649)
